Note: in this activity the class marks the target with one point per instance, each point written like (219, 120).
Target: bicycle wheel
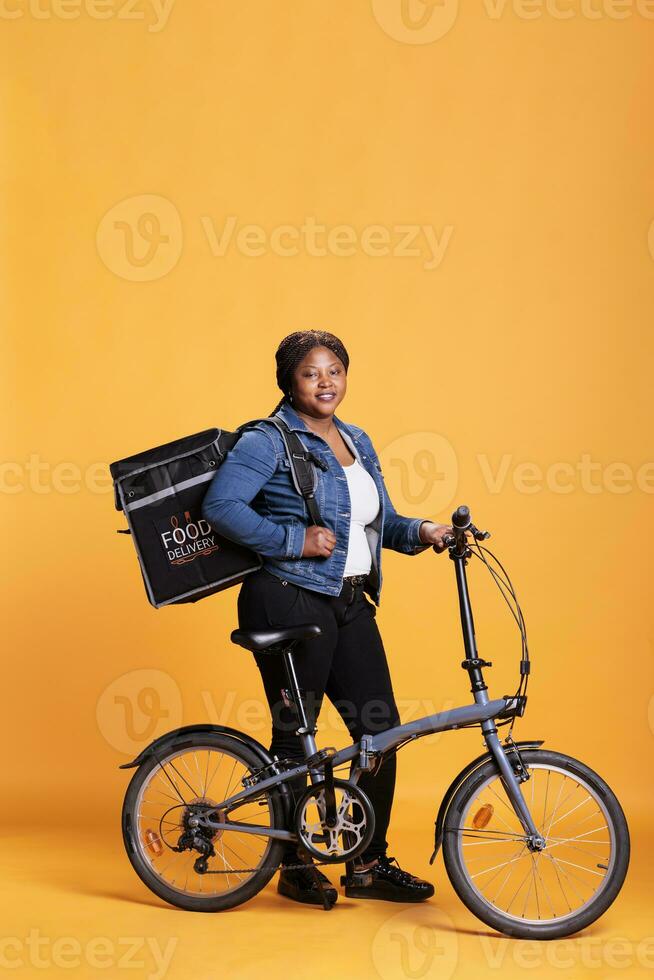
(544, 894)
(165, 799)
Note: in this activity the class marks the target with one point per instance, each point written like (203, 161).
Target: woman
(319, 574)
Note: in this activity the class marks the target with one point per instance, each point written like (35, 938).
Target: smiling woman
(319, 573)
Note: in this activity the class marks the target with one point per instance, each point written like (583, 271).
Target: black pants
(347, 662)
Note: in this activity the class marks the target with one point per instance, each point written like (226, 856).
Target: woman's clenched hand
(318, 542)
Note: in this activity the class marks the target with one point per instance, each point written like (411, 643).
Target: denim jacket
(252, 500)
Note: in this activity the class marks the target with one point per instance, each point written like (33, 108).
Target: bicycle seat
(274, 641)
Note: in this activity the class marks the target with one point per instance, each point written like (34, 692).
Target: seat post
(306, 734)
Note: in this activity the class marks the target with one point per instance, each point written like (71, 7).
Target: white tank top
(364, 506)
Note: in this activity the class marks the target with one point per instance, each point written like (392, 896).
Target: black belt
(355, 582)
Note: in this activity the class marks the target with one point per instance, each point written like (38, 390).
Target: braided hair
(294, 347)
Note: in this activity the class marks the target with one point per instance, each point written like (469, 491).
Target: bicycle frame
(362, 754)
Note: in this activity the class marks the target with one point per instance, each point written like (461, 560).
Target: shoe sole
(316, 902)
(351, 891)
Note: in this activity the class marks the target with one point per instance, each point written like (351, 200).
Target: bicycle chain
(270, 867)
(263, 867)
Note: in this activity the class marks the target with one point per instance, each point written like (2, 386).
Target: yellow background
(529, 342)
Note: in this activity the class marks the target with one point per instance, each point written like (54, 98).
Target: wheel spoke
(508, 908)
(508, 875)
(566, 875)
(544, 888)
(509, 808)
(496, 840)
(580, 836)
(580, 867)
(564, 815)
(155, 805)
(546, 791)
(557, 881)
(502, 865)
(561, 784)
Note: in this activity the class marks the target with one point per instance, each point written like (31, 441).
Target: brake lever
(449, 539)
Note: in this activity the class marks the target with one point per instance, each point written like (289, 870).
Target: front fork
(474, 664)
(511, 782)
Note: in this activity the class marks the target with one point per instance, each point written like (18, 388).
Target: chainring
(353, 828)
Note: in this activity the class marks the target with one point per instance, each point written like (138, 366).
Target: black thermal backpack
(160, 491)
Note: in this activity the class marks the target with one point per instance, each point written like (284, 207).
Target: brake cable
(504, 582)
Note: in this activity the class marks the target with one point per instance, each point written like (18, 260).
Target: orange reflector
(482, 816)
(153, 843)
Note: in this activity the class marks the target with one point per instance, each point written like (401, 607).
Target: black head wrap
(295, 346)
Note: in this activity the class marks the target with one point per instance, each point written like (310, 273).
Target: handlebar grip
(461, 517)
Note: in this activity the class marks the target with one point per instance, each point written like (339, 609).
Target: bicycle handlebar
(461, 524)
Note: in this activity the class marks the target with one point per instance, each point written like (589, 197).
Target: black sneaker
(387, 881)
(300, 885)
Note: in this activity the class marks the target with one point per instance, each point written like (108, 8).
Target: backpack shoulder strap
(303, 464)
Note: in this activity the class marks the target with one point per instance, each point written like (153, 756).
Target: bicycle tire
(510, 925)
(270, 859)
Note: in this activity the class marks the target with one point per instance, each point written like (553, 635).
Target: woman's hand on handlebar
(319, 542)
(436, 535)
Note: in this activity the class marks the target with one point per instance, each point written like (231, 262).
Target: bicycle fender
(456, 782)
(187, 730)
(181, 737)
